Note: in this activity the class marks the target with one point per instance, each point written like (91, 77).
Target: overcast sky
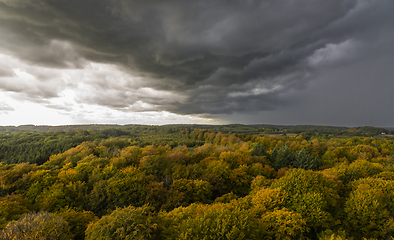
(212, 62)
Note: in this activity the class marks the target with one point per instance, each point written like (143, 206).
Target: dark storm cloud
(221, 56)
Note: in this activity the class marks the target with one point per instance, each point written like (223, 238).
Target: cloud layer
(213, 58)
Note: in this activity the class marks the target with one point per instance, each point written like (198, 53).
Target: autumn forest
(196, 182)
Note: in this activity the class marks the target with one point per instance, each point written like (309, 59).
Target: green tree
(171, 222)
(356, 170)
(219, 221)
(125, 223)
(218, 175)
(259, 150)
(183, 192)
(385, 188)
(259, 182)
(78, 221)
(127, 187)
(283, 158)
(304, 160)
(365, 152)
(156, 194)
(312, 195)
(60, 195)
(330, 235)
(366, 214)
(98, 198)
(12, 207)
(41, 225)
(11, 177)
(266, 199)
(240, 181)
(257, 169)
(282, 224)
(154, 165)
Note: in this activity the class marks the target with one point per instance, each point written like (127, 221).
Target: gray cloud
(199, 57)
(356, 95)
(31, 87)
(6, 72)
(4, 108)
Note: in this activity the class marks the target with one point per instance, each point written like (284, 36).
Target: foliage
(358, 169)
(194, 181)
(310, 194)
(267, 199)
(218, 221)
(366, 214)
(41, 225)
(12, 207)
(127, 187)
(283, 224)
(304, 160)
(330, 235)
(125, 223)
(78, 221)
(183, 192)
(282, 158)
(259, 150)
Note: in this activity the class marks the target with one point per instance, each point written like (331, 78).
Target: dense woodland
(196, 182)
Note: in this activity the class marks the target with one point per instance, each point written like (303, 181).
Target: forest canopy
(196, 181)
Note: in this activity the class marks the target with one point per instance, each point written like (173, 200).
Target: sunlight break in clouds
(94, 94)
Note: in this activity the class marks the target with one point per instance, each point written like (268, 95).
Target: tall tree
(304, 160)
(283, 158)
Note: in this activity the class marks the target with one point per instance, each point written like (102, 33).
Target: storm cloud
(264, 60)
